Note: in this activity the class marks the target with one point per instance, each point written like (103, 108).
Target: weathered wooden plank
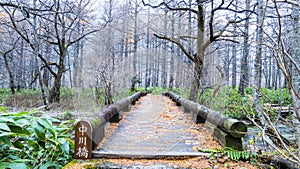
(144, 155)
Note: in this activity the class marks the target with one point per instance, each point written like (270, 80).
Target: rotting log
(232, 127)
(133, 98)
(111, 113)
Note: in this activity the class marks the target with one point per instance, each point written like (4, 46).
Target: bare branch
(178, 44)
(184, 37)
(169, 7)
(292, 2)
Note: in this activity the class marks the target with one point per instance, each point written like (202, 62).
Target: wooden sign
(83, 140)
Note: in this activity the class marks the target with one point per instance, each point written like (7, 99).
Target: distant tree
(197, 10)
(244, 80)
(57, 24)
(7, 57)
(234, 52)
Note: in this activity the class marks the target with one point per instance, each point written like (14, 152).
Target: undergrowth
(34, 140)
(232, 104)
(232, 154)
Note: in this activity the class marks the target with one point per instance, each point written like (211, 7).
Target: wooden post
(116, 118)
(197, 119)
(227, 140)
(83, 140)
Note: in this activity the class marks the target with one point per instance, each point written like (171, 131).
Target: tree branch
(178, 44)
(169, 7)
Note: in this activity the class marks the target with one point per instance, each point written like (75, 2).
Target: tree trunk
(108, 95)
(135, 38)
(244, 80)
(234, 69)
(10, 74)
(20, 72)
(273, 72)
(295, 74)
(199, 58)
(164, 55)
(172, 65)
(269, 70)
(147, 76)
(196, 81)
(226, 65)
(179, 70)
(54, 95)
(259, 38)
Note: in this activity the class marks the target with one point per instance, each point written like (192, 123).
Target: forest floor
(157, 117)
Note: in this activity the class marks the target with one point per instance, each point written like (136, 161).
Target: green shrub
(236, 105)
(182, 92)
(249, 90)
(4, 93)
(206, 97)
(66, 93)
(232, 104)
(29, 141)
(229, 102)
(273, 96)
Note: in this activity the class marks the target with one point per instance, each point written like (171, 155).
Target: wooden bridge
(155, 127)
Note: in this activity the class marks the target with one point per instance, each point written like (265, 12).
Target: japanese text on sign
(83, 140)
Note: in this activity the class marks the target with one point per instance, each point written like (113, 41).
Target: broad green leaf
(44, 122)
(52, 119)
(39, 131)
(53, 142)
(49, 164)
(33, 145)
(36, 136)
(62, 130)
(13, 165)
(2, 109)
(22, 113)
(23, 160)
(18, 144)
(19, 130)
(71, 142)
(3, 147)
(22, 122)
(5, 134)
(5, 119)
(17, 166)
(65, 146)
(4, 127)
(15, 158)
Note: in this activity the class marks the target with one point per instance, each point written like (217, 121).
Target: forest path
(156, 134)
(154, 128)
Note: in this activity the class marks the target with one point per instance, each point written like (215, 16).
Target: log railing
(90, 132)
(228, 132)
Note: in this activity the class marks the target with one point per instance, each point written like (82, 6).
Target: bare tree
(244, 80)
(7, 57)
(57, 24)
(276, 43)
(202, 43)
